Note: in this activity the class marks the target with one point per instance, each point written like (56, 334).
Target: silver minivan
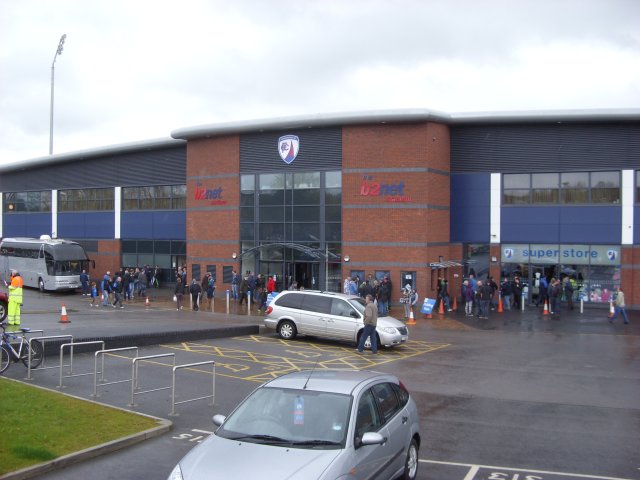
(334, 316)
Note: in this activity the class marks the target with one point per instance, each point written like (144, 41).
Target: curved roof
(92, 153)
(403, 116)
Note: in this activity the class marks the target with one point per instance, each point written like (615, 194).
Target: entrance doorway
(304, 274)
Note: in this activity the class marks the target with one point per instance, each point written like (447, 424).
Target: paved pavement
(140, 324)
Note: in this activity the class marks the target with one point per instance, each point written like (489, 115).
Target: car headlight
(390, 330)
(176, 473)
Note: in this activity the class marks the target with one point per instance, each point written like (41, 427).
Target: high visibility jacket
(15, 289)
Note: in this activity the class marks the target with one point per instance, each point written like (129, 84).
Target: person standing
(516, 288)
(620, 307)
(15, 298)
(484, 299)
(94, 294)
(568, 292)
(244, 288)
(105, 286)
(383, 297)
(195, 290)
(117, 288)
(84, 281)
(370, 323)
(142, 283)
(507, 293)
(235, 282)
(178, 292)
(271, 284)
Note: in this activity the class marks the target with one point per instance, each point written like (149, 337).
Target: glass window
(638, 186)
(544, 188)
(272, 232)
(306, 214)
(247, 183)
(605, 187)
(333, 179)
(272, 181)
(317, 303)
(247, 199)
(367, 418)
(333, 214)
(161, 197)
(306, 180)
(246, 214)
(271, 214)
(516, 181)
(271, 197)
(387, 400)
(516, 197)
(99, 199)
(307, 197)
(333, 232)
(306, 232)
(575, 187)
(27, 202)
(333, 196)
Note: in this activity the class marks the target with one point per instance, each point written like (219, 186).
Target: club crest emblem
(612, 254)
(288, 148)
(508, 253)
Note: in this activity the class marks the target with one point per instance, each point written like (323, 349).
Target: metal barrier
(134, 376)
(43, 340)
(71, 345)
(173, 385)
(102, 353)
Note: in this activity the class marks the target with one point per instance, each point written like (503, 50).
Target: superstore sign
(565, 254)
(389, 192)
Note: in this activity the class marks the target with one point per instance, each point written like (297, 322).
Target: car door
(343, 320)
(314, 314)
(396, 422)
(370, 461)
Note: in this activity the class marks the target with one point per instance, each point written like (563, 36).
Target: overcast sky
(135, 70)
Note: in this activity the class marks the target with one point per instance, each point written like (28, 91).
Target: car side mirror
(370, 438)
(218, 420)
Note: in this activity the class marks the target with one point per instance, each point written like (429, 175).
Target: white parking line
(473, 470)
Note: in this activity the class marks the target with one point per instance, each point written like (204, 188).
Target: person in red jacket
(271, 284)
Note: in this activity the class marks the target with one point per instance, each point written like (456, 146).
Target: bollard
(249, 303)
(227, 302)
(522, 301)
(581, 304)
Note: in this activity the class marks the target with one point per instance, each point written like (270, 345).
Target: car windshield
(291, 418)
(358, 304)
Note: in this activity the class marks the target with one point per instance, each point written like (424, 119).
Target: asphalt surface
(521, 388)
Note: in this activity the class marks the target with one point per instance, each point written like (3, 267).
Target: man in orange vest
(15, 298)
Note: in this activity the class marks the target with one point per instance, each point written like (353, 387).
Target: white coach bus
(44, 263)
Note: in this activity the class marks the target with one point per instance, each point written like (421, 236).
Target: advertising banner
(551, 254)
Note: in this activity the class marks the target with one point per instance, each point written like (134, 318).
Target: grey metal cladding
(554, 147)
(154, 167)
(320, 149)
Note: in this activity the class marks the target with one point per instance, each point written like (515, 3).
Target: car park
(334, 316)
(314, 424)
(4, 302)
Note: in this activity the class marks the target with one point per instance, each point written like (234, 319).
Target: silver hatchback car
(329, 315)
(319, 424)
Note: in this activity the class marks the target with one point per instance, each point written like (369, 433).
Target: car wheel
(3, 311)
(287, 330)
(41, 285)
(411, 462)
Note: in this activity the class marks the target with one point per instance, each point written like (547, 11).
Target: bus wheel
(41, 285)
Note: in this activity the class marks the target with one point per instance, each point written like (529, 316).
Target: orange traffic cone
(612, 310)
(455, 304)
(441, 309)
(500, 304)
(63, 315)
(412, 320)
(147, 303)
(546, 309)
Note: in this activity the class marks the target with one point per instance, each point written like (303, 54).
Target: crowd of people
(124, 285)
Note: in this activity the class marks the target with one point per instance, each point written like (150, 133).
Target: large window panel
(306, 197)
(272, 214)
(575, 187)
(306, 214)
(544, 188)
(273, 232)
(306, 232)
(605, 187)
(272, 197)
(272, 181)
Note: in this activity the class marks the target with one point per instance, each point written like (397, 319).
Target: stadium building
(410, 194)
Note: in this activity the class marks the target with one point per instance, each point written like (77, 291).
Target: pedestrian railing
(135, 377)
(102, 381)
(71, 349)
(43, 340)
(173, 385)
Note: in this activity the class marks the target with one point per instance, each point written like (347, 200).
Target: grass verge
(40, 425)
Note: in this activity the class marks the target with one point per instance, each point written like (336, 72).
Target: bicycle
(8, 352)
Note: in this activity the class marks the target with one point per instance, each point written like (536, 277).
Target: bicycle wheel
(37, 354)
(5, 359)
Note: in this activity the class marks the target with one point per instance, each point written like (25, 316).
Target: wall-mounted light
(347, 258)
(494, 259)
(234, 255)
